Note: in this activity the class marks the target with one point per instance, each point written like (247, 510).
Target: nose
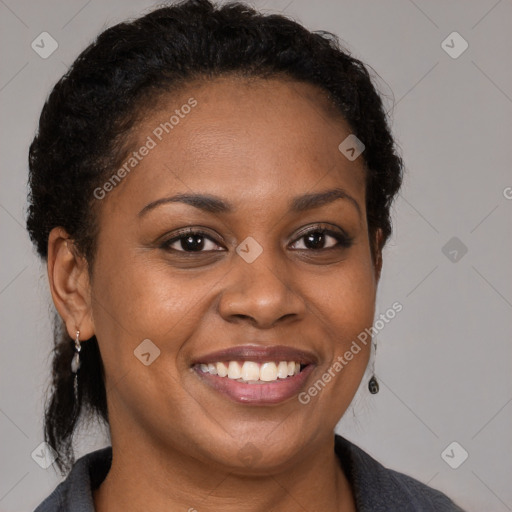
(260, 293)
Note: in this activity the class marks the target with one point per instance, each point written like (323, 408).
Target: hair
(86, 121)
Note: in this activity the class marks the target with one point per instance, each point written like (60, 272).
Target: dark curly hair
(86, 121)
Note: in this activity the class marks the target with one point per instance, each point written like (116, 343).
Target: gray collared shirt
(376, 488)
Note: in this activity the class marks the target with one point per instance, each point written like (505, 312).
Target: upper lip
(258, 354)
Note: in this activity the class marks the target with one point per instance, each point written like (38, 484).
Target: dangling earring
(373, 385)
(75, 363)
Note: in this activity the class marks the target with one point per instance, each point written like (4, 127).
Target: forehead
(242, 139)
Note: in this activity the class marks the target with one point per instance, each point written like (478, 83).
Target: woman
(211, 190)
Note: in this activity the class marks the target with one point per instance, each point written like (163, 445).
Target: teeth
(268, 372)
(252, 372)
(282, 370)
(234, 370)
(222, 370)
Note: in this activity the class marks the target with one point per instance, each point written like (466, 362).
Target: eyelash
(343, 241)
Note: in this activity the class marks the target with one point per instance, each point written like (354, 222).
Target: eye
(190, 241)
(319, 238)
(315, 239)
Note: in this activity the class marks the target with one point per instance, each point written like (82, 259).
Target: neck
(142, 477)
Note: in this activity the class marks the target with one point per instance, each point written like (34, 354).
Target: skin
(256, 144)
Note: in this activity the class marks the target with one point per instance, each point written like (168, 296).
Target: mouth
(256, 375)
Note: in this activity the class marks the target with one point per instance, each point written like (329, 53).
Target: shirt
(376, 488)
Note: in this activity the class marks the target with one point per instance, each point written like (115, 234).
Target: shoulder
(75, 492)
(380, 489)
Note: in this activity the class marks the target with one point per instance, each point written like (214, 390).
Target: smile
(256, 375)
(251, 372)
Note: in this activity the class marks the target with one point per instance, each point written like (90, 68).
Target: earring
(373, 385)
(75, 363)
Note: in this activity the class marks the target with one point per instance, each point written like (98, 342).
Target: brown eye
(320, 239)
(191, 241)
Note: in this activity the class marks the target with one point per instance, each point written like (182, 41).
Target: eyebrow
(214, 204)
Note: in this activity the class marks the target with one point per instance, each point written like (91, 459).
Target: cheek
(146, 301)
(137, 299)
(343, 299)
(343, 306)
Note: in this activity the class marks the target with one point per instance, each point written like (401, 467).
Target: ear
(377, 259)
(69, 284)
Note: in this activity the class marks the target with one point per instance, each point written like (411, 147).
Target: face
(272, 266)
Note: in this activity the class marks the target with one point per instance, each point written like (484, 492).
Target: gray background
(444, 363)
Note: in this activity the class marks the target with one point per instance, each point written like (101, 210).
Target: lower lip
(257, 394)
